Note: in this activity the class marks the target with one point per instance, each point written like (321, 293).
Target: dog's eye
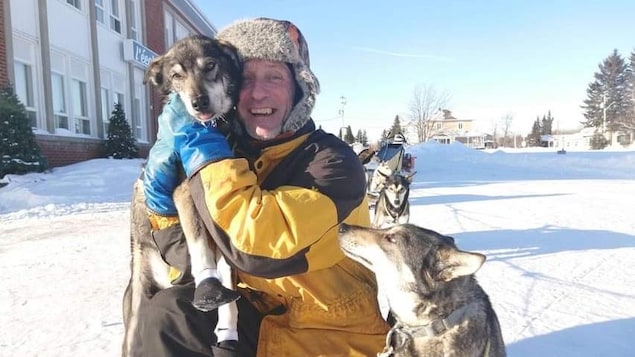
(176, 75)
(210, 66)
(390, 238)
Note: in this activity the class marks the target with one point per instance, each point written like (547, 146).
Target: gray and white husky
(392, 206)
(438, 306)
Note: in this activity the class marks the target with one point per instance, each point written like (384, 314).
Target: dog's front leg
(227, 326)
(209, 293)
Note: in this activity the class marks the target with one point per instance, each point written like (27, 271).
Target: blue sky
(492, 58)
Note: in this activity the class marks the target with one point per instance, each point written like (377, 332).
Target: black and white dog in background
(392, 206)
(206, 75)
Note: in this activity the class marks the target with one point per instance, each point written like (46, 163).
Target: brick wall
(155, 40)
(61, 151)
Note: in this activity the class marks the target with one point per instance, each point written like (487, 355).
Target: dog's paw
(210, 294)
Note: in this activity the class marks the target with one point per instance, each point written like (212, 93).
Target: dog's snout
(200, 103)
(344, 228)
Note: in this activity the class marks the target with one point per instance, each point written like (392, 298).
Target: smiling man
(273, 205)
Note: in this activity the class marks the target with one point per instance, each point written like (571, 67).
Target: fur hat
(277, 40)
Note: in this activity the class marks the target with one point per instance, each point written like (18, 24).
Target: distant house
(447, 129)
(580, 140)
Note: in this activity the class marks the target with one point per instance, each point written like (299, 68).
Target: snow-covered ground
(557, 229)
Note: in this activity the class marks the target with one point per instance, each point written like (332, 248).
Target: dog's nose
(344, 228)
(200, 103)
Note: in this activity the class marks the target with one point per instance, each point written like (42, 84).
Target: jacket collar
(253, 147)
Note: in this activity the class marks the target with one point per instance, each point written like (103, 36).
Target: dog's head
(205, 73)
(409, 262)
(396, 188)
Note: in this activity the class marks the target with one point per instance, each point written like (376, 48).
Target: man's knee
(171, 326)
(168, 301)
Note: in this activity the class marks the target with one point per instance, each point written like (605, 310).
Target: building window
(59, 101)
(105, 108)
(460, 125)
(174, 29)
(115, 20)
(80, 107)
(100, 11)
(119, 99)
(134, 21)
(169, 29)
(24, 89)
(139, 132)
(75, 3)
(181, 31)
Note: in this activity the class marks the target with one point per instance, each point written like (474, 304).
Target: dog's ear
(154, 74)
(231, 52)
(410, 177)
(456, 263)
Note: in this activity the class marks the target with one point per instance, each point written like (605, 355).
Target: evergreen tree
(120, 143)
(19, 152)
(358, 137)
(349, 138)
(598, 141)
(364, 138)
(396, 128)
(546, 126)
(533, 139)
(631, 85)
(385, 135)
(608, 95)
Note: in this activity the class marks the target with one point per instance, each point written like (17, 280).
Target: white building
(71, 60)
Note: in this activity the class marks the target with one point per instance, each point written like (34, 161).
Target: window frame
(115, 16)
(25, 89)
(100, 9)
(79, 102)
(77, 4)
(62, 113)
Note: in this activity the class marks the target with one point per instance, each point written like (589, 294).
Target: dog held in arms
(392, 206)
(438, 306)
(206, 75)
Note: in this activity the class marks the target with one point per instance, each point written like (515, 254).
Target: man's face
(266, 97)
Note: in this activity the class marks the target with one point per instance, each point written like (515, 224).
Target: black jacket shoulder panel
(327, 164)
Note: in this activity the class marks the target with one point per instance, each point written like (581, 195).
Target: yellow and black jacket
(275, 216)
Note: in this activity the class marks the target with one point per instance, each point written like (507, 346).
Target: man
(273, 206)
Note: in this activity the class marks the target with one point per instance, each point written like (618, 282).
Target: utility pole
(604, 109)
(341, 113)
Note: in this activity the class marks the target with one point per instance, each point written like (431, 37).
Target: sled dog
(392, 206)
(438, 306)
(206, 74)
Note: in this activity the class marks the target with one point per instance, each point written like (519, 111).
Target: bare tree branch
(425, 103)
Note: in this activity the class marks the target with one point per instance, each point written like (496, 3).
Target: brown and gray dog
(438, 306)
(206, 74)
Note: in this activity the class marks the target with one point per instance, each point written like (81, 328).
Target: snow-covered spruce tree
(610, 89)
(19, 152)
(120, 143)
